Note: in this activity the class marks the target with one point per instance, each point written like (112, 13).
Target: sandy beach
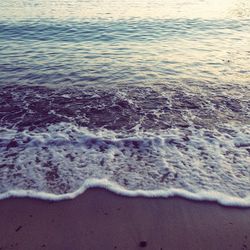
(99, 219)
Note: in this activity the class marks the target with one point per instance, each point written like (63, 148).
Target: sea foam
(64, 160)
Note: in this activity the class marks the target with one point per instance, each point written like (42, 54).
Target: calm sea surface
(141, 97)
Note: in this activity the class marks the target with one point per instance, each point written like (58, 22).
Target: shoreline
(100, 219)
(202, 196)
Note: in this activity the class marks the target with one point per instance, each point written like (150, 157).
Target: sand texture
(99, 219)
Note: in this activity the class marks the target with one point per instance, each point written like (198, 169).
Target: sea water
(141, 97)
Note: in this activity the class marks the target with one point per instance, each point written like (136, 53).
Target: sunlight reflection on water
(125, 41)
(62, 9)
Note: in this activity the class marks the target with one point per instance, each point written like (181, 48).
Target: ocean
(144, 97)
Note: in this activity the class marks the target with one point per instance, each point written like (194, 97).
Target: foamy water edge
(212, 196)
(227, 198)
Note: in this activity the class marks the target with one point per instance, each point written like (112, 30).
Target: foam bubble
(64, 160)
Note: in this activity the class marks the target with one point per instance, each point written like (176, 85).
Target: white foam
(63, 161)
(222, 199)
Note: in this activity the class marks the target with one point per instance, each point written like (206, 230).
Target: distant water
(141, 97)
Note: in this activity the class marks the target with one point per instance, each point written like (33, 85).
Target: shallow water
(141, 97)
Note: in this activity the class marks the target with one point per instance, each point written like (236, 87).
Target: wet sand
(99, 219)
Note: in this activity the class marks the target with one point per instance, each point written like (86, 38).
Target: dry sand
(99, 219)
